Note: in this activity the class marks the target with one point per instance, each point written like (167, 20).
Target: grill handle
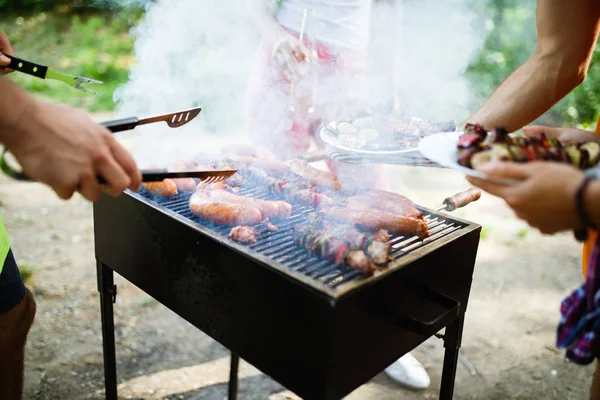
(422, 327)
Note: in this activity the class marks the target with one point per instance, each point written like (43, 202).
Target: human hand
(65, 149)
(5, 48)
(565, 135)
(545, 195)
(291, 54)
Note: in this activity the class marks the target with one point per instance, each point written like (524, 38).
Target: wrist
(591, 200)
(18, 114)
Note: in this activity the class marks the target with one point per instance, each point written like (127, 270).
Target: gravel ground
(520, 279)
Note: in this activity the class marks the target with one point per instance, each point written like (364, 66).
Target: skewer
(460, 200)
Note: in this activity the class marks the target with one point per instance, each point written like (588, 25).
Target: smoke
(200, 52)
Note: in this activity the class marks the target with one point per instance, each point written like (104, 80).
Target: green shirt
(4, 244)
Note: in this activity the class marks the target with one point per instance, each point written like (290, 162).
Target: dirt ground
(520, 279)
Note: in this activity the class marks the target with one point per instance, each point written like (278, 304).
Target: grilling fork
(173, 120)
(43, 72)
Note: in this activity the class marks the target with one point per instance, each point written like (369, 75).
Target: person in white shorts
(335, 36)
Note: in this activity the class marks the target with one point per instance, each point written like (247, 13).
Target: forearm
(528, 92)
(16, 105)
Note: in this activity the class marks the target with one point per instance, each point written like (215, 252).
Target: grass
(26, 272)
(95, 45)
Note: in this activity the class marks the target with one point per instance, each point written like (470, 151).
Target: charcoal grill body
(317, 341)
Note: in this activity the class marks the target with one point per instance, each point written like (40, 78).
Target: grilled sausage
(377, 220)
(165, 188)
(269, 209)
(204, 207)
(314, 175)
(386, 201)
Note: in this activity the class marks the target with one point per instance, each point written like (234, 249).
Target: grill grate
(280, 248)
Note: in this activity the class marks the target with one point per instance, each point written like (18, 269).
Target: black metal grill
(279, 248)
(283, 310)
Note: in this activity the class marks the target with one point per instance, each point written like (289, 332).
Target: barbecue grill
(318, 329)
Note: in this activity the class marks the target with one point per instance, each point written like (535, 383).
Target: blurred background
(96, 38)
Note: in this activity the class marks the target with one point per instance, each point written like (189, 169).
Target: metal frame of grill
(272, 302)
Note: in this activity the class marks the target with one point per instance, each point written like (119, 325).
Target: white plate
(441, 149)
(328, 135)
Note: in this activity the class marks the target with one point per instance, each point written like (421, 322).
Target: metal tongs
(42, 71)
(173, 120)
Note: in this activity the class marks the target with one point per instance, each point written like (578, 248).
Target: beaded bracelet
(582, 232)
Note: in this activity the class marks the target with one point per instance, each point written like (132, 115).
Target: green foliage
(511, 41)
(97, 46)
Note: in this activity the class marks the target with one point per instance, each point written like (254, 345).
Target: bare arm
(592, 201)
(567, 33)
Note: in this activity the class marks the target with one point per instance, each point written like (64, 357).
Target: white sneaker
(409, 372)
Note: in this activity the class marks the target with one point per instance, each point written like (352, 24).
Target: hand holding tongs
(42, 71)
(173, 120)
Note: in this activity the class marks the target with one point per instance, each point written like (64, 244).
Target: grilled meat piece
(377, 220)
(376, 249)
(243, 234)
(382, 235)
(315, 176)
(165, 188)
(211, 186)
(386, 201)
(297, 191)
(330, 248)
(268, 208)
(206, 208)
(183, 184)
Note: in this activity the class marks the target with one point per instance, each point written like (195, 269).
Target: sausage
(223, 214)
(165, 188)
(269, 209)
(386, 201)
(183, 184)
(314, 175)
(377, 220)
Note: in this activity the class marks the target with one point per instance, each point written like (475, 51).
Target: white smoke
(199, 53)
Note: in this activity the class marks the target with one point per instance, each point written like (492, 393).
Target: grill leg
(452, 342)
(233, 377)
(108, 292)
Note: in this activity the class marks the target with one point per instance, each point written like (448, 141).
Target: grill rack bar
(280, 248)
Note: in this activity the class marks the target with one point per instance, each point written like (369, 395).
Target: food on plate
(243, 234)
(164, 188)
(331, 248)
(476, 147)
(381, 129)
(375, 220)
(205, 207)
(268, 208)
(387, 201)
(314, 175)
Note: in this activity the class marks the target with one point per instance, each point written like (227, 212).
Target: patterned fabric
(579, 327)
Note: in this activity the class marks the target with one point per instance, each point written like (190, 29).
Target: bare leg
(14, 327)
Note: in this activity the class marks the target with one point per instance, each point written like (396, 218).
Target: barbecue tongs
(173, 120)
(42, 71)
